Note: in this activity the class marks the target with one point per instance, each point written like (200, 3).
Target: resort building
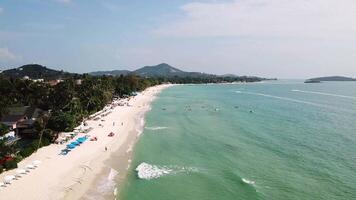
(21, 119)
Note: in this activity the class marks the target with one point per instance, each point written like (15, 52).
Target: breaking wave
(282, 98)
(154, 128)
(139, 128)
(147, 171)
(326, 94)
(250, 182)
(105, 186)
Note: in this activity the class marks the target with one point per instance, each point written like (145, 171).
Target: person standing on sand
(106, 149)
(113, 123)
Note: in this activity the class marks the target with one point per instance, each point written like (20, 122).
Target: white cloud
(6, 55)
(266, 18)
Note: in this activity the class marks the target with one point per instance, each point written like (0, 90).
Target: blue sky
(272, 38)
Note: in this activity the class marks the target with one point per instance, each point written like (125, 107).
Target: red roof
(5, 159)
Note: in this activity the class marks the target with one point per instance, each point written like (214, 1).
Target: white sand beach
(71, 176)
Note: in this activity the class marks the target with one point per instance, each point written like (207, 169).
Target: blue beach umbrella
(82, 139)
(71, 146)
(75, 143)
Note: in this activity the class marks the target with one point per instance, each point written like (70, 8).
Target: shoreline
(107, 183)
(78, 174)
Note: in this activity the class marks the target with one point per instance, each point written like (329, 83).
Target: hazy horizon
(267, 38)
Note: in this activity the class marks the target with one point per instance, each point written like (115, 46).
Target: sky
(269, 38)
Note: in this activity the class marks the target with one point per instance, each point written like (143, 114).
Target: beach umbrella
(71, 146)
(19, 172)
(28, 167)
(36, 163)
(8, 179)
(80, 140)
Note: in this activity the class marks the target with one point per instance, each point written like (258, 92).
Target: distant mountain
(329, 78)
(158, 70)
(35, 71)
(162, 69)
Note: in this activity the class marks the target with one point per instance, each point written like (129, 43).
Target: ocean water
(276, 140)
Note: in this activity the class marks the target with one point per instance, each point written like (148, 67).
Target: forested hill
(162, 69)
(163, 72)
(332, 78)
(168, 72)
(35, 71)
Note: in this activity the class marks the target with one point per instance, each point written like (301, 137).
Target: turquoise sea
(276, 140)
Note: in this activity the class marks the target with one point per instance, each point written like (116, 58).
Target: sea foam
(250, 182)
(139, 129)
(282, 98)
(324, 93)
(147, 171)
(106, 186)
(154, 128)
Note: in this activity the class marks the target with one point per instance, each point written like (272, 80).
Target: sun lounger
(8, 179)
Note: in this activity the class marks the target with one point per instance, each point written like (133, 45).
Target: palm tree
(40, 127)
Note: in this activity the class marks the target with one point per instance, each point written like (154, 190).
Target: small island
(329, 78)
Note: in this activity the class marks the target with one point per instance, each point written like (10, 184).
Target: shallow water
(273, 140)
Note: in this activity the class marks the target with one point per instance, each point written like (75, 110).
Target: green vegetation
(67, 104)
(35, 71)
(11, 164)
(329, 78)
(3, 129)
(165, 72)
(76, 97)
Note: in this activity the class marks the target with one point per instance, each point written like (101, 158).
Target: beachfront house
(21, 119)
